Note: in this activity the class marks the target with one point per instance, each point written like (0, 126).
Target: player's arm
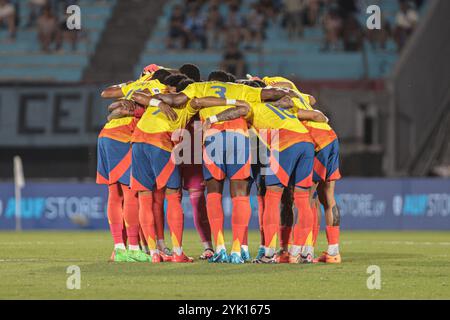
(273, 94)
(312, 115)
(312, 100)
(173, 99)
(115, 91)
(149, 100)
(206, 102)
(230, 114)
(122, 108)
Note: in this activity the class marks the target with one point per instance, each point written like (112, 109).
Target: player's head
(150, 69)
(161, 75)
(183, 84)
(173, 80)
(218, 75)
(231, 77)
(252, 83)
(191, 71)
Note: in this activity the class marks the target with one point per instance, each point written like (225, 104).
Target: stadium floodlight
(19, 183)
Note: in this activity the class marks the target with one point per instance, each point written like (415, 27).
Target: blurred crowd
(223, 25)
(47, 17)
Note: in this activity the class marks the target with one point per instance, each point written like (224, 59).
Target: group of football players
(169, 131)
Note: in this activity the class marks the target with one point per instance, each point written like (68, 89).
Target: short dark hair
(161, 75)
(218, 75)
(231, 77)
(191, 71)
(183, 84)
(174, 79)
(251, 83)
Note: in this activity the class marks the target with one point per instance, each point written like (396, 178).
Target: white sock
(207, 245)
(132, 247)
(269, 252)
(220, 247)
(119, 246)
(244, 247)
(295, 250)
(161, 244)
(307, 250)
(333, 249)
(178, 250)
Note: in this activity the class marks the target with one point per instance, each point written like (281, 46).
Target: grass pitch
(414, 265)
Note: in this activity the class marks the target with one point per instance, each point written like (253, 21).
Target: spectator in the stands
(378, 38)
(234, 61)
(255, 26)
(312, 11)
(195, 27)
(36, 8)
(8, 18)
(177, 32)
(352, 34)
(406, 20)
(332, 24)
(48, 30)
(67, 35)
(294, 13)
(214, 27)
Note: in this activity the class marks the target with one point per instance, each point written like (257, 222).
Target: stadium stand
(22, 58)
(307, 56)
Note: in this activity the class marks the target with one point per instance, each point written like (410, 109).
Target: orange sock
(215, 217)
(245, 239)
(260, 217)
(239, 220)
(131, 214)
(316, 227)
(158, 212)
(175, 220)
(303, 228)
(115, 212)
(147, 220)
(271, 219)
(332, 234)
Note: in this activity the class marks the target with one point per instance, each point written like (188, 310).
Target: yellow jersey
(156, 129)
(284, 128)
(321, 132)
(123, 128)
(226, 90)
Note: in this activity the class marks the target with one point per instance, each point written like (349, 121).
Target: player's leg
(175, 220)
(115, 220)
(240, 219)
(131, 219)
(215, 214)
(238, 170)
(214, 175)
(158, 213)
(302, 249)
(143, 182)
(193, 182)
(261, 192)
(110, 154)
(329, 158)
(332, 220)
(286, 224)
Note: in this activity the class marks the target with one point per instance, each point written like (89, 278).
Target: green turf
(414, 265)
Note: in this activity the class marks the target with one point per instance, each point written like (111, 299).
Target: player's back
(283, 124)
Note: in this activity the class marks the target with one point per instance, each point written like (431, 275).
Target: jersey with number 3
(226, 90)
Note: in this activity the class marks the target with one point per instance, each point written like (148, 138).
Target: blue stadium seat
(23, 59)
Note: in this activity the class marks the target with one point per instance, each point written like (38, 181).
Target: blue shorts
(326, 163)
(113, 161)
(226, 154)
(292, 166)
(153, 167)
